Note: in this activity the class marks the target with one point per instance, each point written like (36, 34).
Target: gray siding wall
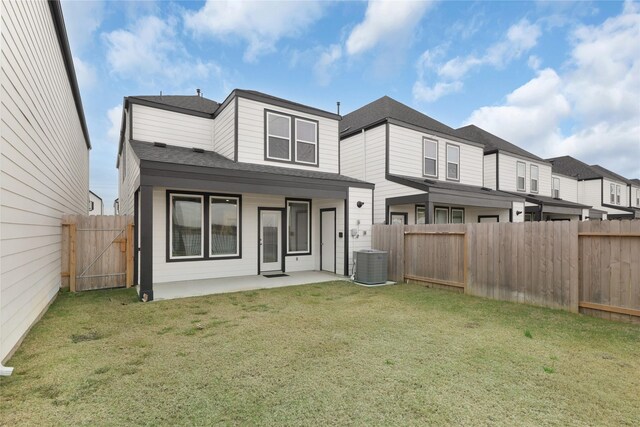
(44, 165)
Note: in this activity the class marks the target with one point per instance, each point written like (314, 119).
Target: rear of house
(45, 161)
(249, 186)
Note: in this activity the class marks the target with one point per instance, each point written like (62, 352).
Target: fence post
(72, 257)
(129, 256)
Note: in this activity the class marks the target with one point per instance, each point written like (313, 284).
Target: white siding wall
(471, 213)
(508, 174)
(490, 171)
(634, 196)
(224, 131)
(251, 136)
(247, 265)
(128, 182)
(405, 156)
(359, 219)
(44, 166)
(589, 193)
(568, 188)
(363, 157)
(184, 130)
(98, 205)
(624, 193)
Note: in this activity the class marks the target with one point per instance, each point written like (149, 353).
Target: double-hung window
(534, 178)
(441, 215)
(521, 170)
(453, 162)
(556, 188)
(224, 224)
(430, 150)
(638, 197)
(187, 227)
(617, 194)
(306, 141)
(278, 136)
(612, 193)
(298, 227)
(420, 214)
(457, 216)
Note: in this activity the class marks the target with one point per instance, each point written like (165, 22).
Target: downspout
(5, 371)
(364, 149)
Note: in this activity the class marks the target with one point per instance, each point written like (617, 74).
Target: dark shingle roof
(635, 181)
(609, 174)
(147, 151)
(545, 200)
(492, 142)
(567, 165)
(389, 108)
(448, 186)
(188, 102)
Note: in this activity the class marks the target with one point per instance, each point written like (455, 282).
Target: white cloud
(260, 24)
(115, 122)
(151, 49)
(82, 19)
(597, 93)
(85, 73)
(520, 38)
(326, 63)
(385, 22)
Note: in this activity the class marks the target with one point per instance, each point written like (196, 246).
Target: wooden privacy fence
(592, 267)
(97, 252)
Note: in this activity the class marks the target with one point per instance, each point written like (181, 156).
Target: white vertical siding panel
(44, 165)
(224, 131)
(183, 130)
(490, 171)
(353, 156)
(129, 181)
(251, 136)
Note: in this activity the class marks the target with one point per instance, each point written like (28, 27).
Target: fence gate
(97, 252)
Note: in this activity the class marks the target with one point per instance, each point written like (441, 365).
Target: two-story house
(45, 162)
(510, 168)
(423, 170)
(634, 193)
(597, 187)
(626, 201)
(249, 186)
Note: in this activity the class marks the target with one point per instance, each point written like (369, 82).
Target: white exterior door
(270, 241)
(328, 240)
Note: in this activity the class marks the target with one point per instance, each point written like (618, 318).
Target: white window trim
(194, 196)
(237, 253)
(435, 215)
(612, 194)
(424, 214)
(458, 164)
(554, 189)
(308, 250)
(638, 197)
(524, 177)
(279, 137)
(451, 219)
(315, 125)
(424, 156)
(618, 198)
(537, 179)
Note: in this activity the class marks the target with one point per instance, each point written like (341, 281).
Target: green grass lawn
(330, 353)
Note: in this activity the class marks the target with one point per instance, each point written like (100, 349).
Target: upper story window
(521, 170)
(430, 150)
(617, 194)
(291, 139)
(306, 141)
(453, 162)
(534, 178)
(612, 193)
(278, 137)
(556, 188)
(637, 196)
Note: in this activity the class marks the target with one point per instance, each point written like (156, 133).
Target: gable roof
(610, 174)
(186, 102)
(567, 165)
(170, 154)
(635, 181)
(388, 108)
(493, 143)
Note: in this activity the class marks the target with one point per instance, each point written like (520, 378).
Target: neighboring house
(423, 171)
(245, 187)
(45, 161)
(628, 199)
(634, 193)
(510, 168)
(96, 206)
(597, 187)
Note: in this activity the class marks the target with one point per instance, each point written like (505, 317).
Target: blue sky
(554, 77)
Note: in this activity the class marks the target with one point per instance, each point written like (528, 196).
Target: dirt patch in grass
(331, 353)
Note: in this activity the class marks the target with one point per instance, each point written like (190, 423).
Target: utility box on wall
(371, 266)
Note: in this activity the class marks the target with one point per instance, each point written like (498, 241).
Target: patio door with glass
(270, 241)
